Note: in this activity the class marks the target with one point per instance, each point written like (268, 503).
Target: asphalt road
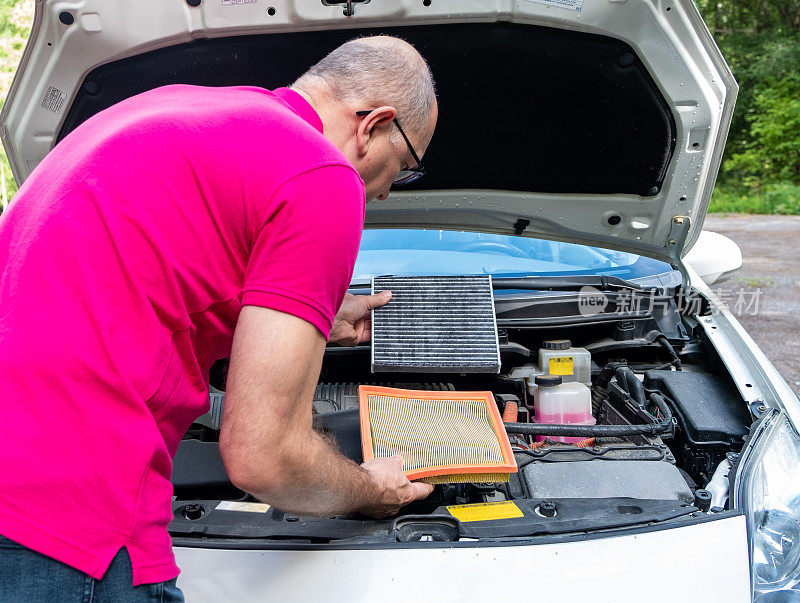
(770, 247)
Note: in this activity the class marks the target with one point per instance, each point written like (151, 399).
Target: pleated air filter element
(435, 324)
(443, 437)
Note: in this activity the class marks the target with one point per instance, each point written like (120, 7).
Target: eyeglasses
(408, 175)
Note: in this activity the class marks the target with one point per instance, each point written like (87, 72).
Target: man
(131, 255)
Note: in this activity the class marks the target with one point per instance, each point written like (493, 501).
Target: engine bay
(665, 418)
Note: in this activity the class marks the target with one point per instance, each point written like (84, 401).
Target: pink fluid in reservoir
(570, 418)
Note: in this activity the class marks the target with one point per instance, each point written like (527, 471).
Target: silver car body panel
(679, 564)
(757, 379)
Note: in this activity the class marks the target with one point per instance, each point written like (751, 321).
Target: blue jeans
(28, 576)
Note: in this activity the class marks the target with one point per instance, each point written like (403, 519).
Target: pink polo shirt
(126, 258)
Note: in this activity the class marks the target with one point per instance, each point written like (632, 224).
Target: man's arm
(267, 443)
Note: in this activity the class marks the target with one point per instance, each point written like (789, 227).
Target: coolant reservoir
(527, 372)
(562, 403)
(558, 357)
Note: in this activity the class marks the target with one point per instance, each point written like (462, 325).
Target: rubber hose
(662, 339)
(626, 378)
(510, 412)
(600, 389)
(590, 431)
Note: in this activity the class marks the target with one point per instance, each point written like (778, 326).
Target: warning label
(485, 511)
(231, 2)
(248, 507)
(561, 365)
(54, 99)
(575, 5)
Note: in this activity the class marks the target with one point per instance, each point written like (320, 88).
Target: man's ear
(374, 124)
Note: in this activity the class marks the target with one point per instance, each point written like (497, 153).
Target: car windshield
(441, 252)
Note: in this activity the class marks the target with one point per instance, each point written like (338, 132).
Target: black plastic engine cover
(712, 417)
(711, 410)
(345, 428)
(198, 471)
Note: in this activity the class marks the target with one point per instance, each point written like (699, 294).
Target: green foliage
(757, 61)
(5, 172)
(779, 198)
(760, 40)
(751, 16)
(15, 27)
(783, 198)
(771, 151)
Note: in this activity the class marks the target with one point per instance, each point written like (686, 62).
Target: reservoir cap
(557, 344)
(548, 380)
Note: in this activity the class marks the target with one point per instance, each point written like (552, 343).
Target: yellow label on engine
(561, 365)
(248, 507)
(485, 511)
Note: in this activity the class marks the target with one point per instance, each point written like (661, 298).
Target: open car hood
(588, 121)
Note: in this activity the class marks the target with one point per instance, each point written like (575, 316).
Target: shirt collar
(300, 106)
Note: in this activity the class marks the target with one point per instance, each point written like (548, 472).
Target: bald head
(373, 72)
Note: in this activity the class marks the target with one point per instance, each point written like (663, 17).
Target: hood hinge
(676, 239)
(348, 6)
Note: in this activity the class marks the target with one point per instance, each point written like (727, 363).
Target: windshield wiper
(553, 283)
(565, 283)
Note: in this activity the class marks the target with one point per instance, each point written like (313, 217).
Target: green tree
(15, 27)
(771, 151)
(760, 40)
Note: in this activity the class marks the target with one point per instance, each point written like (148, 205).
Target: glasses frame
(417, 171)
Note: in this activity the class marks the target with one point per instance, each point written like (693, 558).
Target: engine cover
(653, 480)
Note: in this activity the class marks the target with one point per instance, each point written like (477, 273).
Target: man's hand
(353, 322)
(394, 485)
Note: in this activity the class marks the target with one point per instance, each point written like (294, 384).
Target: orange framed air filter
(443, 437)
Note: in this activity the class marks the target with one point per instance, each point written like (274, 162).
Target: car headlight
(769, 492)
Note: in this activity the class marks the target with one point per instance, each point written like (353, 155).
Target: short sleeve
(304, 252)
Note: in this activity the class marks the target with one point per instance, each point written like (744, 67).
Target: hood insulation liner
(521, 107)
(435, 324)
(443, 437)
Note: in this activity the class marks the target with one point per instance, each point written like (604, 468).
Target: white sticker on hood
(54, 99)
(575, 5)
(231, 2)
(249, 507)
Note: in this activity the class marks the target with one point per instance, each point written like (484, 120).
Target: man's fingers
(366, 333)
(377, 300)
(420, 490)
